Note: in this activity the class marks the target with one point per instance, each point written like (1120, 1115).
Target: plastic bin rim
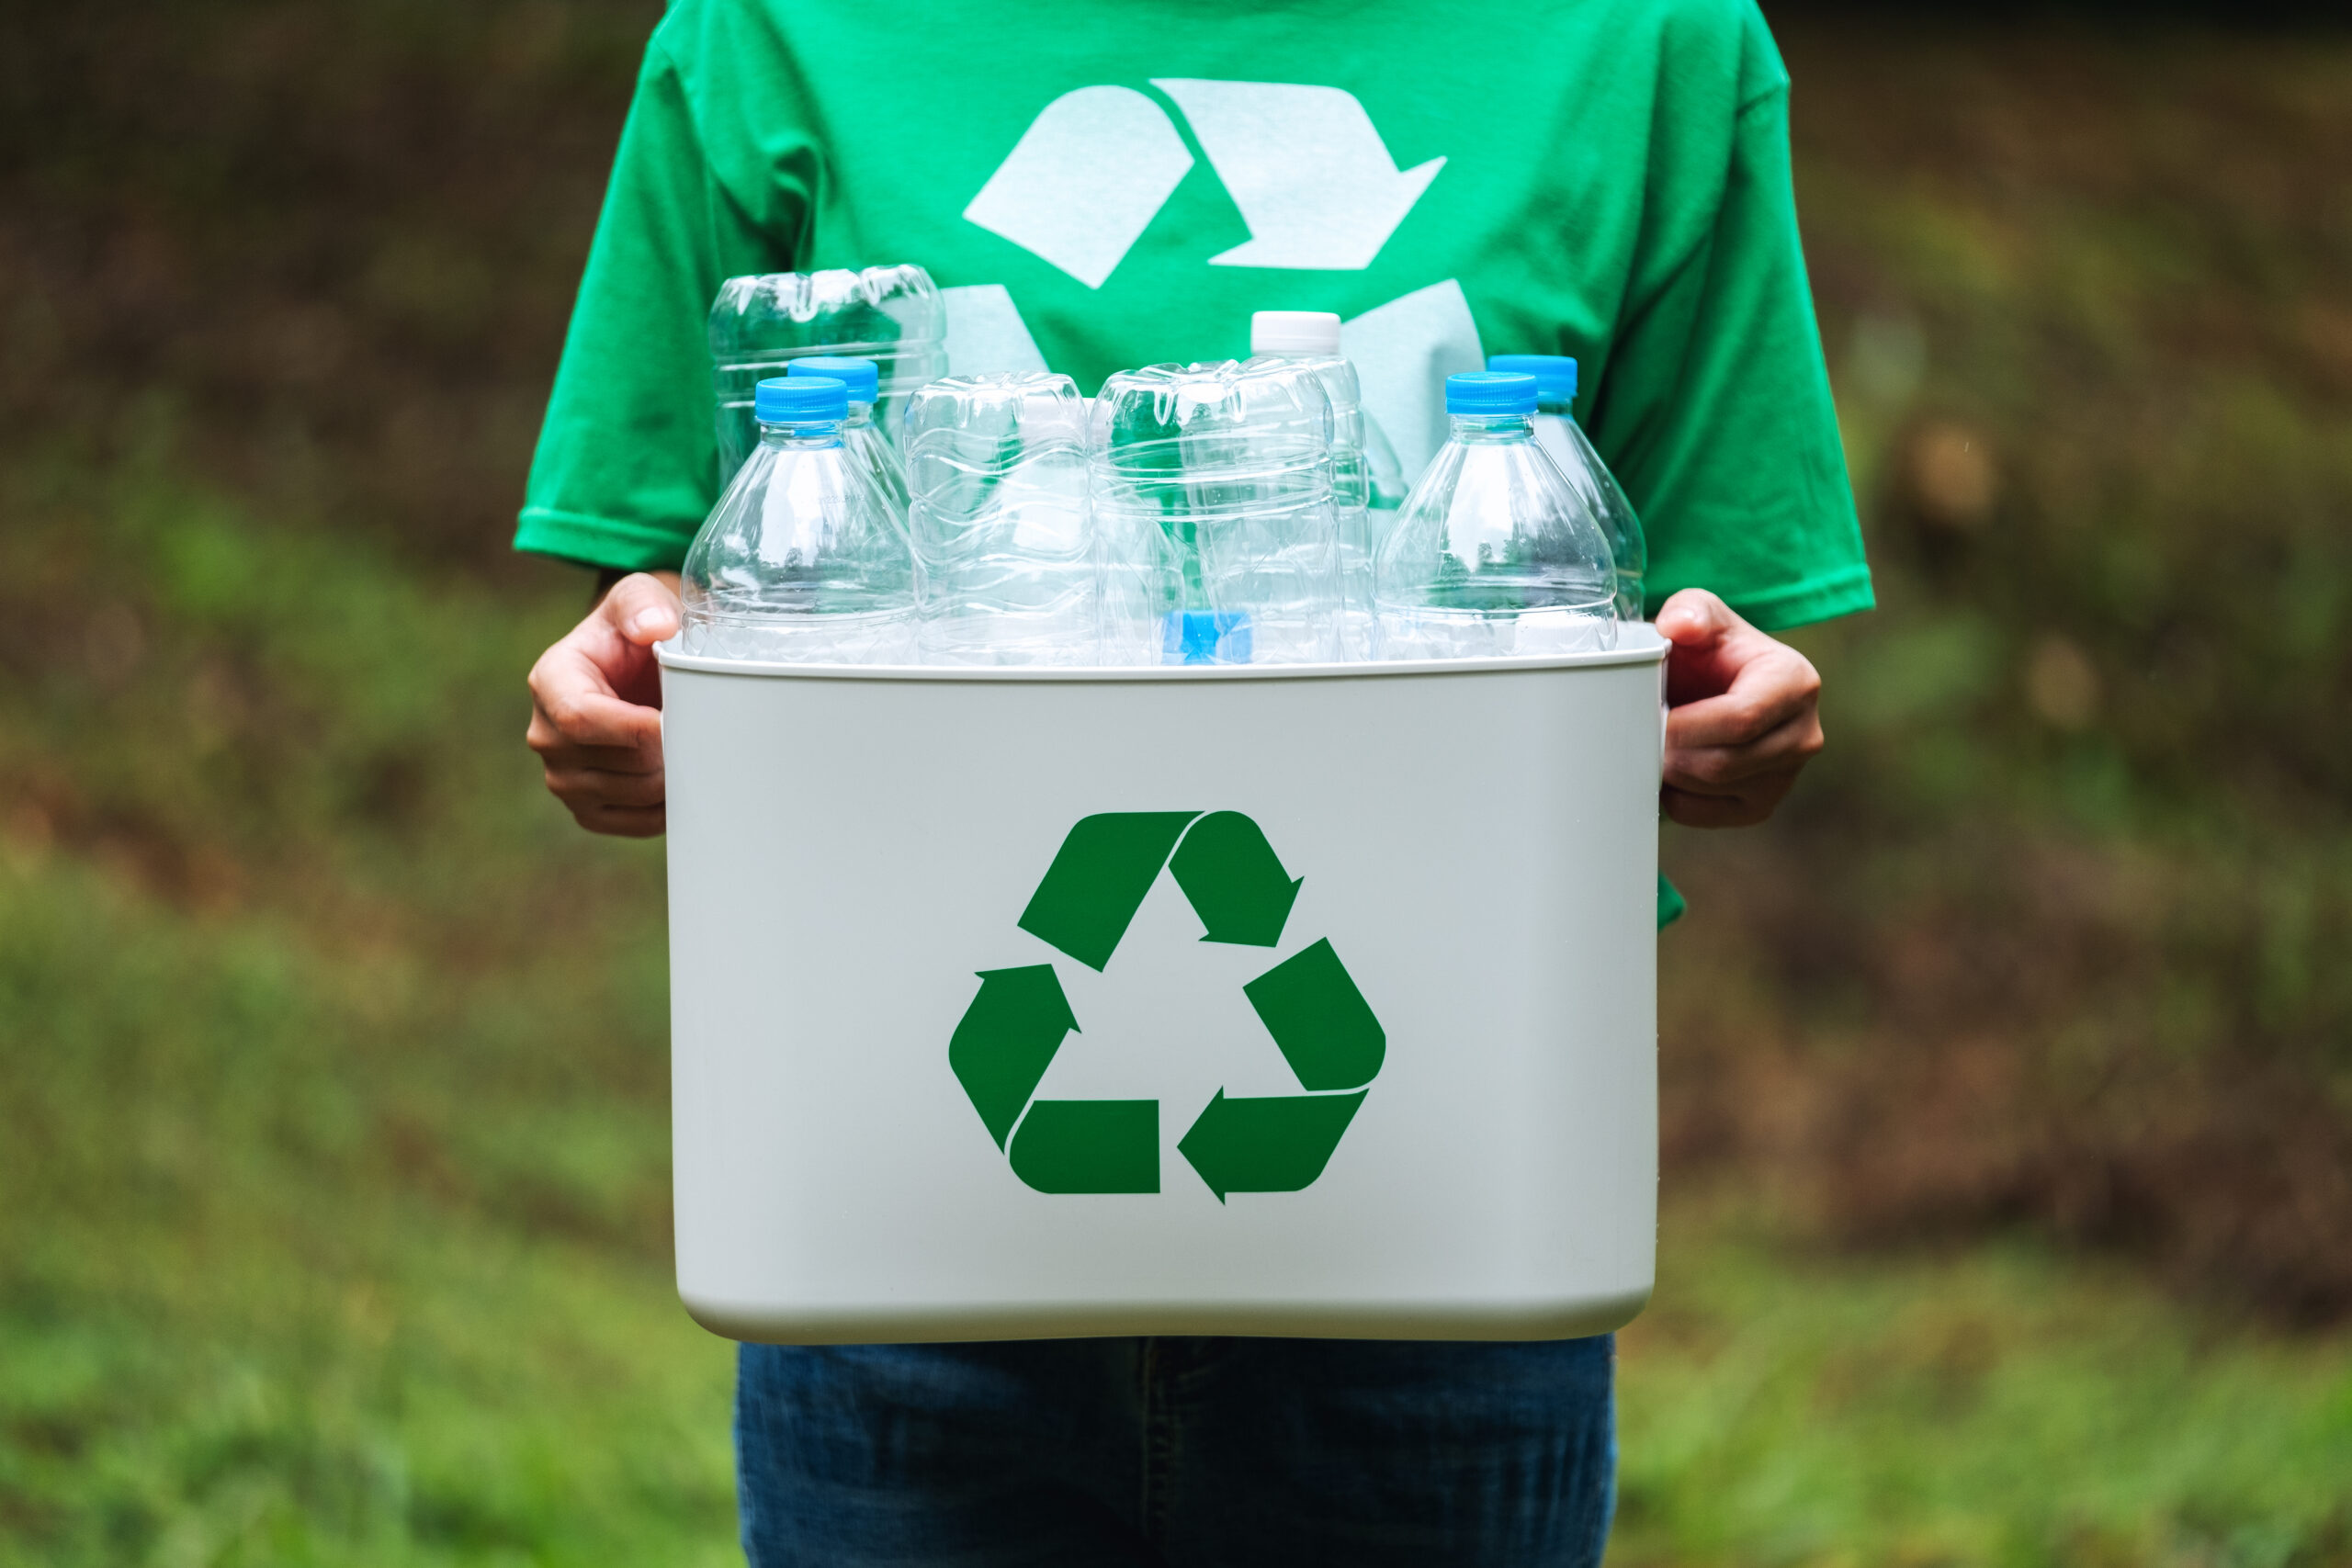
(1648, 649)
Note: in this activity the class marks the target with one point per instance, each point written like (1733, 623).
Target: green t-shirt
(1099, 185)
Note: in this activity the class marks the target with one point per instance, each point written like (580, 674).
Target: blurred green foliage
(2052, 933)
(1984, 1407)
(333, 1195)
(336, 1216)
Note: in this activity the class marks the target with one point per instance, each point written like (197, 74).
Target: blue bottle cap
(1206, 637)
(799, 400)
(1556, 374)
(1489, 392)
(860, 376)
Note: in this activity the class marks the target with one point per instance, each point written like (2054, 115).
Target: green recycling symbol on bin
(1321, 1023)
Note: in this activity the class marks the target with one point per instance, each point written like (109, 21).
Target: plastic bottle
(760, 323)
(1494, 553)
(1004, 569)
(860, 433)
(1214, 520)
(1360, 485)
(1563, 441)
(803, 559)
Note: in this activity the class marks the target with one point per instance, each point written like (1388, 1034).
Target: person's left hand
(1741, 714)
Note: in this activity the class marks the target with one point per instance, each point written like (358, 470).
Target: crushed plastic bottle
(760, 323)
(1215, 518)
(805, 558)
(1004, 568)
(860, 433)
(1494, 553)
(1563, 441)
(1310, 340)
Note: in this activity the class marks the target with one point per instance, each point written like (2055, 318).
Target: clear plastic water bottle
(860, 433)
(1494, 553)
(1214, 515)
(1563, 441)
(804, 559)
(1310, 340)
(761, 324)
(1004, 568)
(1384, 471)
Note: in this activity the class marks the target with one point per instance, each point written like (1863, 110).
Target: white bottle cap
(1294, 332)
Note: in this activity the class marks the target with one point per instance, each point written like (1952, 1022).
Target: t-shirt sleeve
(1716, 412)
(628, 464)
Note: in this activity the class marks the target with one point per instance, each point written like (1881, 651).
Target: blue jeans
(1176, 1453)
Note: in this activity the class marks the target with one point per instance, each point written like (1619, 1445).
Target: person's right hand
(596, 709)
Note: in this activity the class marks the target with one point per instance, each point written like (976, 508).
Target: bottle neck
(1485, 429)
(860, 414)
(801, 434)
(1566, 408)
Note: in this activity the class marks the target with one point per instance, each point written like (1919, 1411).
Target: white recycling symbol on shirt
(1305, 165)
(1313, 180)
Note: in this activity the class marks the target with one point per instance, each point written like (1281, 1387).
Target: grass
(291, 1277)
(1999, 1405)
(335, 1223)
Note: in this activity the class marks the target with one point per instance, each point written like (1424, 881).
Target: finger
(1744, 810)
(578, 787)
(557, 752)
(615, 641)
(596, 718)
(641, 608)
(632, 756)
(622, 821)
(1726, 770)
(572, 695)
(1712, 645)
(1745, 715)
(1694, 618)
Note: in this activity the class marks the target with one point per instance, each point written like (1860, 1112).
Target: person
(1608, 179)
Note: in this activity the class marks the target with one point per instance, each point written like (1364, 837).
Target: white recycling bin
(1265, 999)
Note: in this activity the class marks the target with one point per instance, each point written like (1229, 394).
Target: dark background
(333, 1065)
